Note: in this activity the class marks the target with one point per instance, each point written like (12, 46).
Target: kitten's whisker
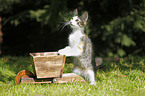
(61, 25)
(65, 24)
(66, 19)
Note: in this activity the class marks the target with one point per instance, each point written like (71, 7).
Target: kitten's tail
(98, 61)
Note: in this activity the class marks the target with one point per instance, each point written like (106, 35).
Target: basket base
(66, 78)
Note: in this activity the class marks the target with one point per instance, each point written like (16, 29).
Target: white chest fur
(75, 47)
(74, 38)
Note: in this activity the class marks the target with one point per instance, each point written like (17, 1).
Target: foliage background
(116, 27)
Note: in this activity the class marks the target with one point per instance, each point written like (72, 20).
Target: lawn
(123, 77)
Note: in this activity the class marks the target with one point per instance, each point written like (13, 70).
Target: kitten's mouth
(70, 23)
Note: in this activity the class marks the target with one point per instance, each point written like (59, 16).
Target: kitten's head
(78, 22)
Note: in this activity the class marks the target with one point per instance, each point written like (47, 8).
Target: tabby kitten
(80, 48)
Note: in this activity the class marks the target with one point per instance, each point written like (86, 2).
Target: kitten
(80, 47)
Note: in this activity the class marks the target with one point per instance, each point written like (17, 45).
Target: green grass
(124, 77)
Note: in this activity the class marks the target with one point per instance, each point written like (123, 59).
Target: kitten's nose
(70, 22)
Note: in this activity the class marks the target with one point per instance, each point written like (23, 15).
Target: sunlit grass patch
(124, 77)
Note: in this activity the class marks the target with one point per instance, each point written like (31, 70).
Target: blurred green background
(116, 27)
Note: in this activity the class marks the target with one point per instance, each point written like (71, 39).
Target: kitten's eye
(77, 20)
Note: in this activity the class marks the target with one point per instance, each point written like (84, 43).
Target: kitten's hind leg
(90, 76)
(77, 70)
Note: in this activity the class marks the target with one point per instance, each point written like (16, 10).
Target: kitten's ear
(84, 17)
(75, 12)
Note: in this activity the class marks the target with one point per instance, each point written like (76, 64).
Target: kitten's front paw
(65, 51)
(60, 52)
